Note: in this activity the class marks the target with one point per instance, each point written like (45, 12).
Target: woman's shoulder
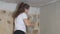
(22, 14)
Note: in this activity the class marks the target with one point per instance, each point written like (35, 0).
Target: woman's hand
(28, 23)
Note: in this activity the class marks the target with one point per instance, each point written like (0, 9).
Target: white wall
(12, 7)
(7, 6)
(58, 17)
(34, 10)
(50, 18)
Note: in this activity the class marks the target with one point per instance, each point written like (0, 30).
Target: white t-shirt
(19, 23)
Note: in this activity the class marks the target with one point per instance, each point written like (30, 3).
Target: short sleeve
(24, 16)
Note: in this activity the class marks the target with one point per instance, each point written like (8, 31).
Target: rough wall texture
(6, 22)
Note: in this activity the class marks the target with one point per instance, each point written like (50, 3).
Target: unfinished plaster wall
(6, 22)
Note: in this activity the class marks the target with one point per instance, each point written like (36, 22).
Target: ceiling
(32, 2)
(13, 1)
(40, 2)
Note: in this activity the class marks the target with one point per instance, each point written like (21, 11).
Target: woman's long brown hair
(20, 9)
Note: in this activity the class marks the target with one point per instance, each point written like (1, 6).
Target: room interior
(45, 13)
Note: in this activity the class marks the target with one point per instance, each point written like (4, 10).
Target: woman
(21, 19)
